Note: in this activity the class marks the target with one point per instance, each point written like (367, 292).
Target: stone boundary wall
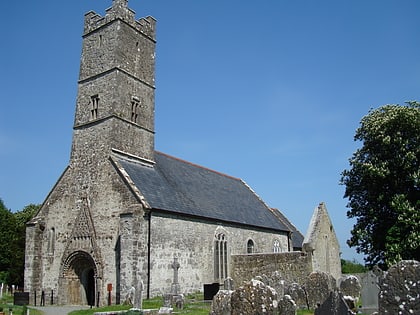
(291, 266)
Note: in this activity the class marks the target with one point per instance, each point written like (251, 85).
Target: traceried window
(276, 246)
(135, 107)
(94, 100)
(220, 257)
(250, 247)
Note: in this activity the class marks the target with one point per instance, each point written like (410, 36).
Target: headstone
(221, 304)
(318, 286)
(350, 286)
(129, 298)
(254, 297)
(287, 306)
(333, 305)
(400, 289)
(138, 292)
(369, 282)
(277, 282)
(228, 284)
(298, 294)
(167, 300)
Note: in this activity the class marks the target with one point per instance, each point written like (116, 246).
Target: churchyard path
(59, 310)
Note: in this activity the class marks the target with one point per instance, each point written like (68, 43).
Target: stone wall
(292, 266)
(192, 241)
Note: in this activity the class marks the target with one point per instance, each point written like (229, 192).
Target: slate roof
(181, 187)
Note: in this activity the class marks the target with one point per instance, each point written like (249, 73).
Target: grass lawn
(6, 303)
(194, 304)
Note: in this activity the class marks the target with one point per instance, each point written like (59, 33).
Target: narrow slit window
(94, 100)
(250, 247)
(135, 108)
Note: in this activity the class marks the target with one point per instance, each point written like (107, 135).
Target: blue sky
(269, 91)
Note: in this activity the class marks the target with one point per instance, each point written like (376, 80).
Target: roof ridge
(197, 165)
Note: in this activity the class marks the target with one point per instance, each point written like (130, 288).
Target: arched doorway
(79, 275)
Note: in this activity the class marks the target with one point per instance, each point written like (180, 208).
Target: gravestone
(369, 282)
(254, 297)
(298, 294)
(138, 292)
(221, 304)
(333, 305)
(350, 286)
(318, 286)
(228, 284)
(400, 289)
(287, 306)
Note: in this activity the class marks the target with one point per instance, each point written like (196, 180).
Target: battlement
(146, 25)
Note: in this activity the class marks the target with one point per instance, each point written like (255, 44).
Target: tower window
(94, 100)
(135, 107)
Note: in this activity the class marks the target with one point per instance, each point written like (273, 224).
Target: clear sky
(269, 91)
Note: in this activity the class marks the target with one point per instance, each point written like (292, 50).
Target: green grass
(194, 305)
(305, 312)
(6, 303)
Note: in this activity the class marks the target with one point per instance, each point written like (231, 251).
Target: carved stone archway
(79, 279)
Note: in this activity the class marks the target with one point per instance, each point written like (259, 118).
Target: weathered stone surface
(221, 304)
(370, 290)
(350, 286)
(298, 294)
(254, 297)
(318, 287)
(293, 266)
(400, 289)
(287, 306)
(321, 243)
(333, 305)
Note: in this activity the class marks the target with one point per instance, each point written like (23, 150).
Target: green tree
(382, 185)
(12, 242)
(352, 267)
(7, 241)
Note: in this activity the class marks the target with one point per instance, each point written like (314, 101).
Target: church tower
(78, 225)
(115, 101)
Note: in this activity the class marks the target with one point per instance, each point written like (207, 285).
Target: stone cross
(175, 285)
(175, 266)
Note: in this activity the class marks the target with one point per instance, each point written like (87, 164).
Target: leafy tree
(7, 240)
(382, 185)
(12, 242)
(352, 267)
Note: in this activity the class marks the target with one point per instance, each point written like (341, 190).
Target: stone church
(121, 211)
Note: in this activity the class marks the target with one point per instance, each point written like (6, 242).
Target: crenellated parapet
(120, 11)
